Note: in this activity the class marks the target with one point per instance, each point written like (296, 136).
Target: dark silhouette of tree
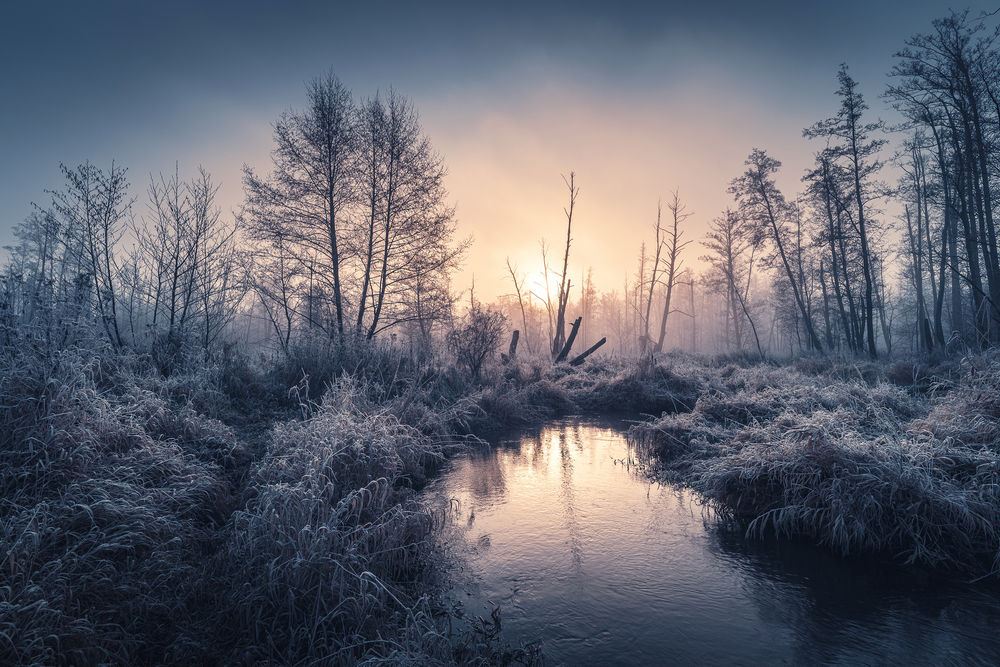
(826, 184)
(947, 82)
(763, 206)
(850, 140)
(476, 338)
(405, 238)
(565, 284)
(356, 199)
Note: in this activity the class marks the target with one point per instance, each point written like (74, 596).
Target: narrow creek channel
(583, 554)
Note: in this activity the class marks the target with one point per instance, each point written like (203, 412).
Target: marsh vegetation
(217, 431)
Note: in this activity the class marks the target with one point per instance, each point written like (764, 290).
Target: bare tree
(917, 234)
(219, 281)
(948, 83)
(826, 185)
(357, 199)
(674, 246)
(653, 282)
(733, 245)
(37, 264)
(763, 205)
(519, 291)
(559, 337)
(189, 260)
(273, 281)
(303, 201)
(406, 237)
(169, 252)
(547, 300)
(94, 208)
(851, 140)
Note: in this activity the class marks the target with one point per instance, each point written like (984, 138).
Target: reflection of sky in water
(583, 553)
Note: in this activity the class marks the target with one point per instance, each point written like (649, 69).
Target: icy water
(584, 555)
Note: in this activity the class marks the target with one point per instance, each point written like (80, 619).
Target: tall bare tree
(406, 239)
(764, 206)
(674, 245)
(565, 284)
(312, 182)
(850, 140)
(659, 234)
(94, 208)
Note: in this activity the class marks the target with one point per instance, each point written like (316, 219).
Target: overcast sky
(637, 98)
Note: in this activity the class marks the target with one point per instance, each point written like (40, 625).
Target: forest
(216, 427)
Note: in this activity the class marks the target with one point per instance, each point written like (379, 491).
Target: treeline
(828, 270)
(846, 278)
(349, 235)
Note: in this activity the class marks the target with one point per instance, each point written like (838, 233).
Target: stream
(584, 555)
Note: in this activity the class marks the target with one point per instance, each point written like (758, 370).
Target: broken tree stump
(512, 350)
(580, 358)
(569, 341)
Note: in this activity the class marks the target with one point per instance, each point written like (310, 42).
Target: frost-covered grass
(111, 500)
(137, 530)
(330, 542)
(237, 512)
(843, 457)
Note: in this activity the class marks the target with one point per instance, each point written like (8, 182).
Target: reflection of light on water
(566, 496)
(584, 554)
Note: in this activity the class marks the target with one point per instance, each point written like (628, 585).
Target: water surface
(582, 553)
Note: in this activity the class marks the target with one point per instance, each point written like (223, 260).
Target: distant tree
(273, 281)
(733, 246)
(913, 186)
(38, 265)
(635, 304)
(518, 280)
(588, 300)
(565, 284)
(674, 246)
(476, 338)
(546, 298)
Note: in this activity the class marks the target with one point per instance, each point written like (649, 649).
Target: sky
(638, 99)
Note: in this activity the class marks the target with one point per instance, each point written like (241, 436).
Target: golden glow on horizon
(506, 157)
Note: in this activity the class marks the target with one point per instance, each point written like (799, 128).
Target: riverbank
(898, 460)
